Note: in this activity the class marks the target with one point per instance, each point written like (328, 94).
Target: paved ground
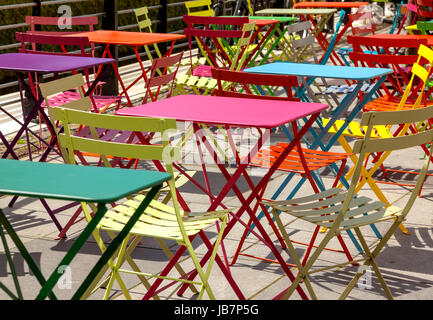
(406, 262)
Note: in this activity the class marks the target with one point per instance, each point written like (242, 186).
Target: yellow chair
(339, 210)
(160, 221)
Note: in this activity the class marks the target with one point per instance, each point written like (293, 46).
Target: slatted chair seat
(159, 220)
(323, 208)
(387, 103)
(355, 130)
(315, 159)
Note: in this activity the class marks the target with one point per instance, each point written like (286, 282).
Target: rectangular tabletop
(72, 182)
(285, 11)
(318, 70)
(45, 63)
(129, 38)
(226, 110)
(330, 4)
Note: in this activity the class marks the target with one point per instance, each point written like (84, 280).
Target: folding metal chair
(159, 221)
(214, 34)
(306, 163)
(356, 130)
(339, 210)
(145, 25)
(75, 82)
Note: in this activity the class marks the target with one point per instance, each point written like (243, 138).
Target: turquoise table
(98, 185)
(361, 76)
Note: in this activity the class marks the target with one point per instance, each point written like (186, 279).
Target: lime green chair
(160, 221)
(153, 85)
(339, 210)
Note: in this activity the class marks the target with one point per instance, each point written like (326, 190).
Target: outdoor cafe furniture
(21, 64)
(213, 36)
(361, 77)
(102, 187)
(234, 112)
(338, 210)
(130, 39)
(323, 15)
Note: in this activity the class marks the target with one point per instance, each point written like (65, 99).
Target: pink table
(236, 112)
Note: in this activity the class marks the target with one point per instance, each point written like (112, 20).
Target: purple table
(22, 63)
(237, 112)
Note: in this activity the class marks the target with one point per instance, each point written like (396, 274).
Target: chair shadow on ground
(27, 219)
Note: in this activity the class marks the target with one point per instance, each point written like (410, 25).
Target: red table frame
(298, 109)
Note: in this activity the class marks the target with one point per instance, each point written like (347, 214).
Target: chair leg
(302, 275)
(115, 272)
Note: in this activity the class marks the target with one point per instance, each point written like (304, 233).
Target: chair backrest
(301, 41)
(44, 43)
(214, 35)
(161, 74)
(145, 25)
(36, 22)
(253, 85)
(386, 53)
(143, 20)
(50, 90)
(421, 71)
(201, 8)
(424, 9)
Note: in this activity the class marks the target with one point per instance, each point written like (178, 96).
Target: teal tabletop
(72, 182)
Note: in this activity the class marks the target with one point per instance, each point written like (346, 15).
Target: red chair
(388, 53)
(304, 163)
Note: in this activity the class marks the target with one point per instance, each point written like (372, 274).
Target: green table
(73, 183)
